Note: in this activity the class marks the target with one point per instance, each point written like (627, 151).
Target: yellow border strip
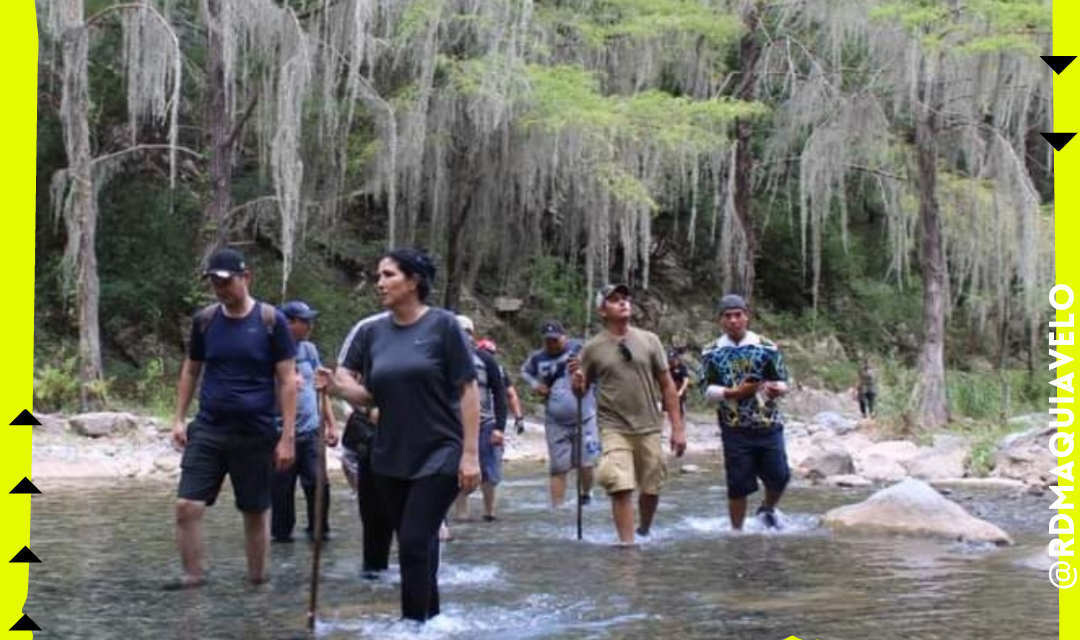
(1066, 197)
(18, 169)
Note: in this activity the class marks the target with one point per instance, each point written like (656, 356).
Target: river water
(107, 551)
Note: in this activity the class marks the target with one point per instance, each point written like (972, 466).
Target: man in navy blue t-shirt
(246, 354)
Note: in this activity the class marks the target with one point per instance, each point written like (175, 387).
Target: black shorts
(247, 459)
(751, 454)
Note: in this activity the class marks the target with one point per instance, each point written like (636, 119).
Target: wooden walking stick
(575, 352)
(320, 509)
(579, 454)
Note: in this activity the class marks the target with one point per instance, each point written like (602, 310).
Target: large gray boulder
(947, 459)
(886, 461)
(101, 424)
(914, 508)
(1025, 456)
(806, 402)
(826, 458)
(835, 422)
(51, 424)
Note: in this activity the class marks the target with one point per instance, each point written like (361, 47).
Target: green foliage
(624, 186)
(155, 389)
(978, 401)
(568, 97)
(557, 292)
(979, 26)
(415, 20)
(56, 385)
(147, 239)
(684, 21)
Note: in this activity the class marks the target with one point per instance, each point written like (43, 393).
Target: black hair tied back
(415, 263)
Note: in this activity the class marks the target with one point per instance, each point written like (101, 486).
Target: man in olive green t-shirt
(629, 368)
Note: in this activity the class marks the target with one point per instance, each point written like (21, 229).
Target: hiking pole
(580, 463)
(320, 509)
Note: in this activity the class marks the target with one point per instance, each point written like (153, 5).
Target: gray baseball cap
(730, 302)
(609, 290)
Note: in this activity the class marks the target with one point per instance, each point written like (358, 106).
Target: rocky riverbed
(827, 444)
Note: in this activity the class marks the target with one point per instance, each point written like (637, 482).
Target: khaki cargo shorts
(631, 461)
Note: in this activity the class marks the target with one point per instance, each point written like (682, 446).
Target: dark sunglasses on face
(218, 281)
(627, 354)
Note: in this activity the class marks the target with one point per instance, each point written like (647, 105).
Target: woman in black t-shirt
(415, 365)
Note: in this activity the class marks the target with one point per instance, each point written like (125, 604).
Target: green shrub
(56, 387)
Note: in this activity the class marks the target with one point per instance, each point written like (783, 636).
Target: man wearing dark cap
(301, 317)
(743, 375)
(246, 354)
(545, 371)
(630, 370)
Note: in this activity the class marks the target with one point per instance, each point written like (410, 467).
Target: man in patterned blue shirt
(743, 375)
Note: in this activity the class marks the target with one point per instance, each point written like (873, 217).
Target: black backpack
(359, 433)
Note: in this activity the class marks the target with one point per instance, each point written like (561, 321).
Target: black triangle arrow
(1058, 63)
(26, 555)
(25, 486)
(26, 624)
(1058, 140)
(25, 418)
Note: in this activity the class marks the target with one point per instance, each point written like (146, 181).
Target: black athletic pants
(378, 530)
(866, 404)
(417, 509)
(283, 515)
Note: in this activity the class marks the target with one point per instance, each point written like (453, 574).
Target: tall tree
(931, 102)
(740, 273)
(152, 63)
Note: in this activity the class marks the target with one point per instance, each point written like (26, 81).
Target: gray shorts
(350, 463)
(560, 443)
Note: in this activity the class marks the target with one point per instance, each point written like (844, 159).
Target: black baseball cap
(225, 263)
(552, 329)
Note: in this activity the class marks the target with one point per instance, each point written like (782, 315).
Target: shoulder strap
(205, 315)
(269, 317)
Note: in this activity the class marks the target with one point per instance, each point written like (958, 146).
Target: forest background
(869, 172)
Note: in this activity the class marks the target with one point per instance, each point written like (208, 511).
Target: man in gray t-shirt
(546, 373)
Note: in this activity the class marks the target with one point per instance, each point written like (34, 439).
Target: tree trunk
(455, 235)
(88, 294)
(218, 124)
(749, 54)
(466, 176)
(929, 400)
(81, 213)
